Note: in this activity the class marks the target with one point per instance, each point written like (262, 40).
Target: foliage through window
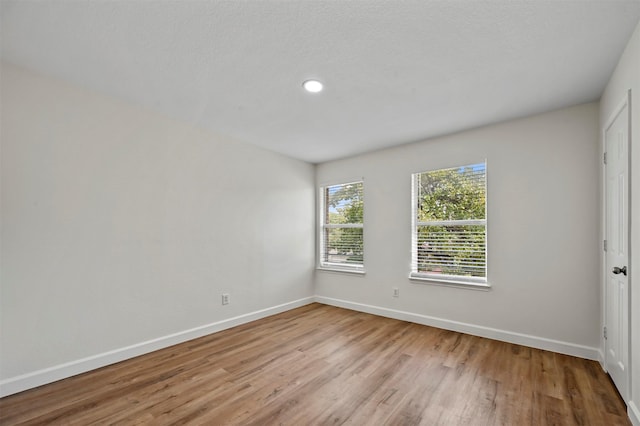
(341, 234)
(449, 224)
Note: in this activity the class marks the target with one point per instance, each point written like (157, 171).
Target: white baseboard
(476, 330)
(601, 359)
(63, 371)
(634, 413)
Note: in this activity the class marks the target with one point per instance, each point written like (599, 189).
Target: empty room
(301, 212)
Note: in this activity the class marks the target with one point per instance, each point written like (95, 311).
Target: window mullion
(477, 222)
(342, 225)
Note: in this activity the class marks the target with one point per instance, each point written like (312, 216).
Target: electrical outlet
(225, 298)
(396, 292)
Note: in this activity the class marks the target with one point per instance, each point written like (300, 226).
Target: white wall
(120, 225)
(543, 243)
(625, 77)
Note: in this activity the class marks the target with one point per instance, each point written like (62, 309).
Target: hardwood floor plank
(321, 365)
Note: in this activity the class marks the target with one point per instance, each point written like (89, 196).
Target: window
(341, 223)
(449, 225)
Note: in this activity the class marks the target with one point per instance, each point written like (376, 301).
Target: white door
(617, 246)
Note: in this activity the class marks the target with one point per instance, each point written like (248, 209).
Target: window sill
(341, 270)
(445, 282)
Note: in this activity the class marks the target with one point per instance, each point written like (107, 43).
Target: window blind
(341, 239)
(449, 224)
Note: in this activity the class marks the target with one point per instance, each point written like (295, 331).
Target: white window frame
(445, 279)
(333, 266)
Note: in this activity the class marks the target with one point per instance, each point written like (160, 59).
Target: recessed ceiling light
(312, 86)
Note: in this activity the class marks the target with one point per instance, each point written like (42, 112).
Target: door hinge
(604, 245)
(605, 333)
(605, 158)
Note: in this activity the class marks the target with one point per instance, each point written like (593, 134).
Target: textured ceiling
(394, 71)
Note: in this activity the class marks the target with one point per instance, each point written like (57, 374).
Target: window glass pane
(344, 203)
(343, 246)
(452, 250)
(452, 194)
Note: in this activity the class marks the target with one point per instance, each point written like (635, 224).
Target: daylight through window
(449, 224)
(341, 233)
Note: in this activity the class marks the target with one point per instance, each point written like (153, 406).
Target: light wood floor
(324, 365)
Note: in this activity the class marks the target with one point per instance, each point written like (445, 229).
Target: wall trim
(634, 414)
(476, 330)
(601, 359)
(69, 369)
